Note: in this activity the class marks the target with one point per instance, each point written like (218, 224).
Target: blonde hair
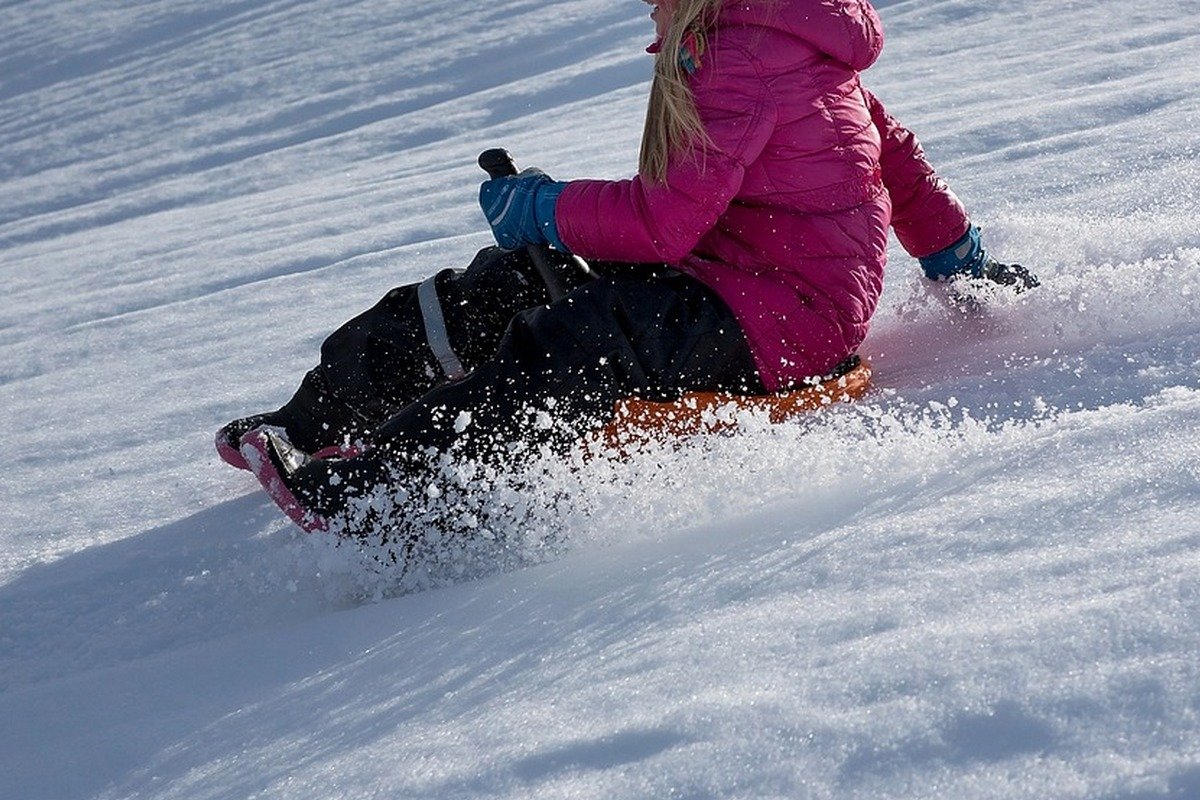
(672, 122)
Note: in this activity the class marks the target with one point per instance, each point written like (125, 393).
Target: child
(746, 256)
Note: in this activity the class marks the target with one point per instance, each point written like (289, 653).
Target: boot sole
(258, 453)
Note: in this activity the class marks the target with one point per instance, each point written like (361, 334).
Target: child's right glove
(968, 258)
(520, 209)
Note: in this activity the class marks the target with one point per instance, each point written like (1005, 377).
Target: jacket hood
(849, 31)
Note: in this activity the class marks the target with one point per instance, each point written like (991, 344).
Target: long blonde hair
(672, 122)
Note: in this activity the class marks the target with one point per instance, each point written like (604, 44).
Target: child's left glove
(520, 209)
(968, 258)
(1014, 275)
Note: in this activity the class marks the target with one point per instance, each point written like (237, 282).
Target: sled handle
(498, 163)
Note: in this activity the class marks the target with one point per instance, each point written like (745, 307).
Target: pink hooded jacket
(785, 214)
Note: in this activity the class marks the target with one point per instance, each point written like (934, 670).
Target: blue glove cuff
(964, 257)
(544, 205)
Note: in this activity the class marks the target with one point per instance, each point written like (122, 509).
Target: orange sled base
(713, 412)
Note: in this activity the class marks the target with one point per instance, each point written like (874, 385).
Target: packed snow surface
(981, 581)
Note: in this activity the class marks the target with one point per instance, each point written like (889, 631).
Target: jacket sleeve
(926, 214)
(641, 221)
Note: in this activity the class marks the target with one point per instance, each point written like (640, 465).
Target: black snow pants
(473, 361)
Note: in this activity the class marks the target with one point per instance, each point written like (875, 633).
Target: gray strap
(435, 330)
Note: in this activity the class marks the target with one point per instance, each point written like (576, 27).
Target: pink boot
(268, 454)
(229, 442)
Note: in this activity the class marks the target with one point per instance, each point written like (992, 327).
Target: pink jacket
(786, 214)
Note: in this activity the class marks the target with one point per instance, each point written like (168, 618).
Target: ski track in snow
(981, 581)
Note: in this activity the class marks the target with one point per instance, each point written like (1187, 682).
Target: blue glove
(966, 257)
(520, 209)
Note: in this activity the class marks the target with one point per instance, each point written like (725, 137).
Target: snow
(983, 580)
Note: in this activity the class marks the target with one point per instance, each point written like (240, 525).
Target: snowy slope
(983, 581)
